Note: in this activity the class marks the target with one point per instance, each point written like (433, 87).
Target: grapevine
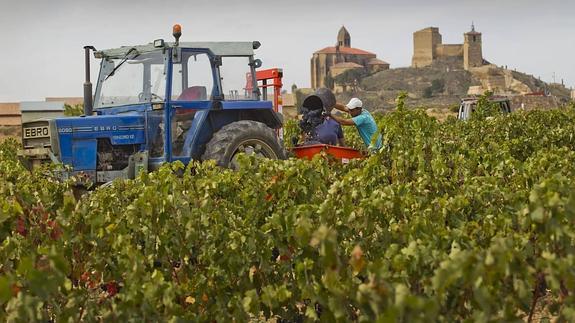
(449, 221)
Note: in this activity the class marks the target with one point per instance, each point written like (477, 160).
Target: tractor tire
(251, 137)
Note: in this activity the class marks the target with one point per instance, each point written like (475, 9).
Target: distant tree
(438, 85)
(73, 110)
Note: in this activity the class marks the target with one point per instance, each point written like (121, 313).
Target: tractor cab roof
(217, 48)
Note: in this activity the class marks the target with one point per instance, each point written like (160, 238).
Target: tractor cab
(162, 102)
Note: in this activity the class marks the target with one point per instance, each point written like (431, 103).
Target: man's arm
(341, 142)
(343, 121)
(341, 107)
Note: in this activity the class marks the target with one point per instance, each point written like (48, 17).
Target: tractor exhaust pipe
(88, 104)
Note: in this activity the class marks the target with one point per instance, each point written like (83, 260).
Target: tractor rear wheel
(246, 136)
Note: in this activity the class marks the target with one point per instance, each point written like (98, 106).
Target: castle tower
(343, 38)
(472, 49)
(425, 43)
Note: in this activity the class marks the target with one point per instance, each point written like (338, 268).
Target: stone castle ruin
(440, 74)
(429, 50)
(428, 47)
(342, 57)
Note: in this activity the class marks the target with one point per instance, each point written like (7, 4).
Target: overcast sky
(41, 41)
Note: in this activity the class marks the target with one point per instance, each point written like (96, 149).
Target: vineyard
(451, 221)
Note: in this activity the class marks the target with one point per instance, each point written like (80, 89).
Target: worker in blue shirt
(329, 132)
(362, 120)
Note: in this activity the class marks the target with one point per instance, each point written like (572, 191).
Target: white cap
(354, 103)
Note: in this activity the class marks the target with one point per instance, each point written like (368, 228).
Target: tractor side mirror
(258, 63)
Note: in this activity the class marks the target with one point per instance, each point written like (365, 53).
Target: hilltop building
(340, 58)
(428, 47)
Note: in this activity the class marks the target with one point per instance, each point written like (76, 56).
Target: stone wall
(425, 43)
(534, 102)
(10, 114)
(450, 50)
(497, 80)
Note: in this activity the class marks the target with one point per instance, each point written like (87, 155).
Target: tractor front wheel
(246, 136)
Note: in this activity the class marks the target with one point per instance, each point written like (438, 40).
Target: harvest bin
(342, 153)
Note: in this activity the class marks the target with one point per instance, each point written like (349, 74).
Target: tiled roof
(344, 50)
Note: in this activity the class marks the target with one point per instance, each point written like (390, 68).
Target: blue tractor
(158, 103)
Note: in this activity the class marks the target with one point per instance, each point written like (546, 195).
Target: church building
(340, 58)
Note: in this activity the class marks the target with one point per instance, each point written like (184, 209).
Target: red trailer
(345, 154)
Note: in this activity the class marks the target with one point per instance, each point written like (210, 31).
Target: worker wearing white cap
(361, 119)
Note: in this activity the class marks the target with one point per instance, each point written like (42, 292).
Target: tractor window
(192, 79)
(131, 80)
(123, 86)
(236, 78)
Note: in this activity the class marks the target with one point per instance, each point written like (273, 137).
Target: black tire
(242, 136)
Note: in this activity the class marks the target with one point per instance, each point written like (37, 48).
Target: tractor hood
(79, 137)
(120, 129)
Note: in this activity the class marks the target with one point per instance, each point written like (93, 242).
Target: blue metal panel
(78, 136)
(66, 154)
(246, 105)
(194, 105)
(191, 142)
(84, 152)
(135, 108)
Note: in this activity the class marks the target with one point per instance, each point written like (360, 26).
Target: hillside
(442, 84)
